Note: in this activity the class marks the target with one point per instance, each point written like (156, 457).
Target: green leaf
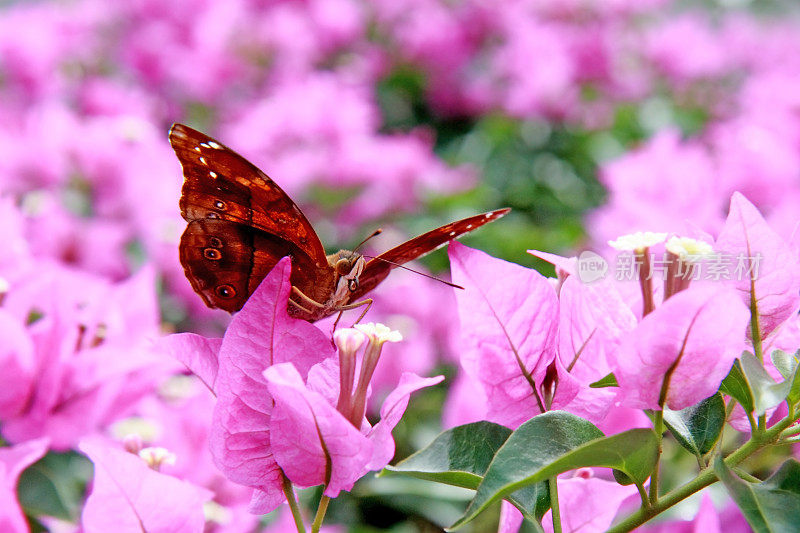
(794, 390)
(766, 393)
(785, 362)
(736, 386)
(460, 457)
(621, 477)
(698, 427)
(771, 506)
(55, 485)
(606, 381)
(555, 442)
(787, 365)
(532, 501)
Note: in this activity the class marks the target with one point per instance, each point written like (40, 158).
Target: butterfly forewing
(221, 184)
(379, 267)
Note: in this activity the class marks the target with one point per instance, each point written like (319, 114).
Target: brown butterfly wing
(234, 208)
(225, 261)
(219, 183)
(379, 267)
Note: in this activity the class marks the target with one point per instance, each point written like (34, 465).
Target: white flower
(379, 333)
(178, 387)
(348, 340)
(216, 513)
(155, 456)
(637, 242)
(689, 249)
(146, 430)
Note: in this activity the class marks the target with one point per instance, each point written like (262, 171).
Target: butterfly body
(240, 223)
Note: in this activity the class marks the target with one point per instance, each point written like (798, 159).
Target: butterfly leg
(305, 298)
(338, 317)
(367, 302)
(297, 305)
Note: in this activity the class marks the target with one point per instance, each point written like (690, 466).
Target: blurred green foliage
(55, 486)
(545, 173)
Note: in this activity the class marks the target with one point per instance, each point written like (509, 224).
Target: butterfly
(240, 223)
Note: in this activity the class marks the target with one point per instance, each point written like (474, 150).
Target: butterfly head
(348, 266)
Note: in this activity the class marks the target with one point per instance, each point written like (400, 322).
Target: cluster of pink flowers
(743, 74)
(531, 344)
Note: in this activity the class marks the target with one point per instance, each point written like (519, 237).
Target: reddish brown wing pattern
(240, 224)
(225, 261)
(378, 268)
(219, 183)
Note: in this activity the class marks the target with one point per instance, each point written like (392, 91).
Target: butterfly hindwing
(225, 261)
(379, 267)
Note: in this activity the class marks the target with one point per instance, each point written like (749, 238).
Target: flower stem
(288, 490)
(643, 495)
(755, 325)
(359, 404)
(747, 476)
(704, 479)
(347, 369)
(755, 332)
(646, 282)
(321, 510)
(658, 427)
(552, 484)
(790, 432)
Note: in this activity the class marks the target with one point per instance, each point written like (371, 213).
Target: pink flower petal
(593, 319)
(466, 402)
(312, 442)
(776, 287)
(391, 411)
(13, 461)
(130, 496)
(510, 519)
(565, 264)
(198, 353)
(588, 505)
(260, 335)
(17, 362)
(509, 321)
(702, 330)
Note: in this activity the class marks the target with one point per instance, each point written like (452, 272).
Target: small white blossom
(155, 456)
(145, 429)
(637, 242)
(379, 333)
(133, 443)
(689, 249)
(178, 387)
(216, 513)
(348, 340)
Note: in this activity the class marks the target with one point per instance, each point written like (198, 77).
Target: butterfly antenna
(398, 265)
(374, 234)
